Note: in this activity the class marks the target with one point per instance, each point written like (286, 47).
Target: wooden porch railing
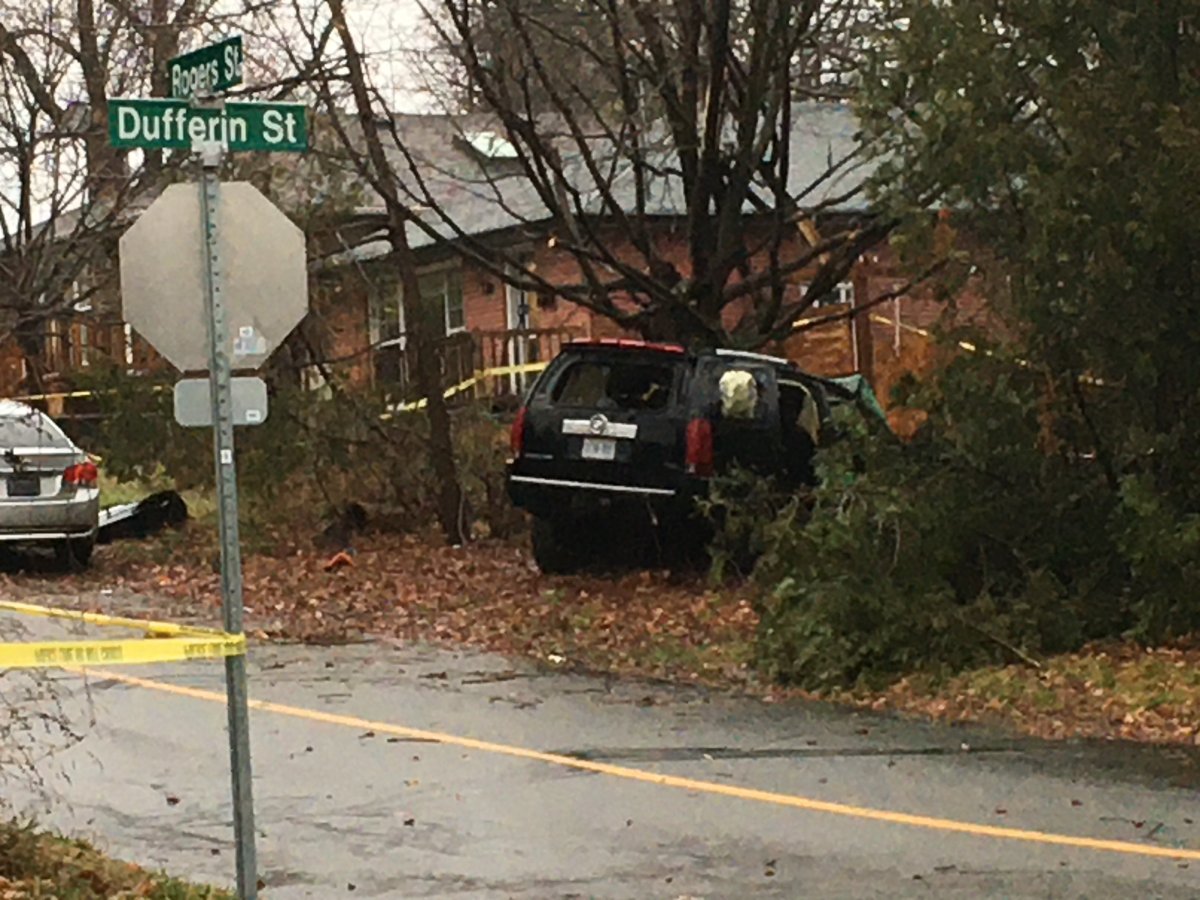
(471, 355)
(516, 348)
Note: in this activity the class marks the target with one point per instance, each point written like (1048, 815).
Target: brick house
(357, 297)
(356, 330)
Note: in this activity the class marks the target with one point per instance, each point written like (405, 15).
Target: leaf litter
(490, 595)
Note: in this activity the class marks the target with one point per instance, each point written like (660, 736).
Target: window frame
(447, 276)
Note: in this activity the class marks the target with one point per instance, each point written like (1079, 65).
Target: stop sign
(262, 272)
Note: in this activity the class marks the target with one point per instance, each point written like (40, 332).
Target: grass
(257, 537)
(201, 503)
(35, 865)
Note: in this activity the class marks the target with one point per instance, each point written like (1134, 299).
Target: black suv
(618, 434)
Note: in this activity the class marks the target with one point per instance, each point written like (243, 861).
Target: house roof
(463, 165)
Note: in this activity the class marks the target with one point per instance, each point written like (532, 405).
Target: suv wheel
(554, 547)
(74, 554)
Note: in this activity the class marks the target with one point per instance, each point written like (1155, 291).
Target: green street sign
(207, 71)
(174, 125)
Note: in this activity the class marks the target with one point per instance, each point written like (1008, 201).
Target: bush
(984, 539)
(313, 458)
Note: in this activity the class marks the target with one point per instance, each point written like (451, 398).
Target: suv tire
(554, 547)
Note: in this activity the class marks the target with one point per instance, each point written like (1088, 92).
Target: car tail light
(699, 457)
(82, 475)
(517, 436)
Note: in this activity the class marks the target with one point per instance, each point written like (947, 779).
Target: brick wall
(827, 349)
(12, 368)
(338, 326)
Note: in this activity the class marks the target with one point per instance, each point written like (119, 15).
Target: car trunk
(609, 417)
(32, 474)
(34, 454)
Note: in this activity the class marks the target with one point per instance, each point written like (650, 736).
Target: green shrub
(314, 456)
(974, 543)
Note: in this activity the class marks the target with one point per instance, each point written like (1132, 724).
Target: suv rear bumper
(518, 483)
(548, 497)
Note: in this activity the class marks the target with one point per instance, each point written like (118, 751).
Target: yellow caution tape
(972, 348)
(165, 642)
(67, 395)
(45, 654)
(520, 369)
(495, 372)
(76, 395)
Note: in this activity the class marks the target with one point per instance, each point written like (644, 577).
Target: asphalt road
(365, 809)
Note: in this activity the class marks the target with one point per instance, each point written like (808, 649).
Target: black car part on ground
(143, 518)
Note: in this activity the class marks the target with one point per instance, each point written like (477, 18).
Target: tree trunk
(29, 337)
(452, 513)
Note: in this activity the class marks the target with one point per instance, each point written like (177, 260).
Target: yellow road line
(672, 781)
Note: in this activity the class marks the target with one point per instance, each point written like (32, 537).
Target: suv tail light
(517, 436)
(82, 475)
(699, 454)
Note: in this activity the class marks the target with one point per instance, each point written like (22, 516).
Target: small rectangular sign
(207, 71)
(173, 125)
(193, 402)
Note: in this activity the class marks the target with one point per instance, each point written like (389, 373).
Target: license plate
(24, 485)
(599, 448)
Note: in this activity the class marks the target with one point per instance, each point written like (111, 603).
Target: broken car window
(608, 385)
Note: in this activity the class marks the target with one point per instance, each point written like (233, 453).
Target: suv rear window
(610, 384)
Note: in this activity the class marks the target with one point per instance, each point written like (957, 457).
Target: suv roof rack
(758, 357)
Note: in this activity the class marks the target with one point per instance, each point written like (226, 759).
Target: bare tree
(681, 110)
(65, 192)
(364, 148)
(61, 187)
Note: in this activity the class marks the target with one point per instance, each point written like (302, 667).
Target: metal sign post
(249, 280)
(220, 375)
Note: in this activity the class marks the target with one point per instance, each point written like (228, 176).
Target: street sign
(207, 71)
(194, 406)
(264, 278)
(153, 124)
(214, 277)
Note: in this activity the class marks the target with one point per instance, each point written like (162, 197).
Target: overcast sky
(393, 34)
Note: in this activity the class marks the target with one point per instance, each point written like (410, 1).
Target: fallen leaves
(1110, 691)
(488, 594)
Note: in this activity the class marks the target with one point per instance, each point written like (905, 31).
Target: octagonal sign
(264, 279)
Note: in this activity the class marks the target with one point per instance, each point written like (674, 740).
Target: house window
(440, 289)
(444, 288)
(842, 295)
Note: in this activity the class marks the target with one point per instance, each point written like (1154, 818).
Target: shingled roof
(462, 165)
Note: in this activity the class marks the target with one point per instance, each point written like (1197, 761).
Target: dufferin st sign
(173, 124)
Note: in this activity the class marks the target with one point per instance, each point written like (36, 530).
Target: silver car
(48, 490)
